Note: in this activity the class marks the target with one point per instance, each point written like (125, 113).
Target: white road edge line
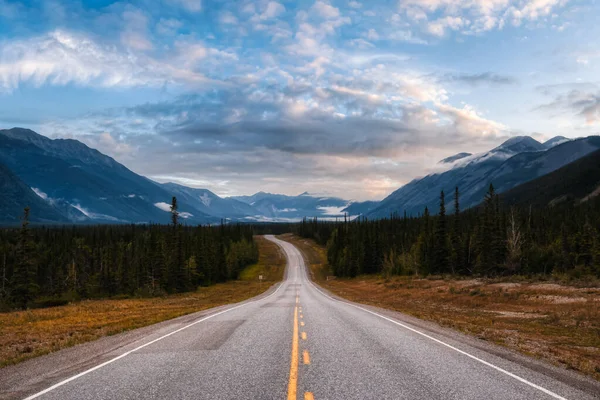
(525, 381)
(144, 345)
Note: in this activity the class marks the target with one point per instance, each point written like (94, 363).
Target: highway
(297, 342)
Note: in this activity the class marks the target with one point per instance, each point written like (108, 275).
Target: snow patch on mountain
(40, 193)
(205, 199)
(163, 206)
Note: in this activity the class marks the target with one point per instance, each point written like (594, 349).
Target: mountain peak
(555, 141)
(520, 144)
(22, 133)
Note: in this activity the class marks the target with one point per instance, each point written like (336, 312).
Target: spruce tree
(24, 288)
(456, 263)
(441, 252)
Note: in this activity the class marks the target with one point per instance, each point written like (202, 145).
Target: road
(299, 343)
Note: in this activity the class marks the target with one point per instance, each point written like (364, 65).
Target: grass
(556, 322)
(28, 334)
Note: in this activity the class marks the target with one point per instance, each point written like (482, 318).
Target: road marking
(309, 396)
(525, 381)
(112, 360)
(293, 382)
(303, 335)
(302, 323)
(306, 357)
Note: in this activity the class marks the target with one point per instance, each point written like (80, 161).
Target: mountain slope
(516, 161)
(209, 203)
(77, 177)
(281, 207)
(577, 181)
(16, 195)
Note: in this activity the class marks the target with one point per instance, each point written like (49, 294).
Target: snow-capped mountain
(278, 207)
(514, 162)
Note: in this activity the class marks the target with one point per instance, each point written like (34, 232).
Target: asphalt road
(299, 343)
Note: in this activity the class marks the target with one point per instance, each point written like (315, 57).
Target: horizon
(353, 99)
(306, 192)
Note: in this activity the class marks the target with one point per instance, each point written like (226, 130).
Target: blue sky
(349, 98)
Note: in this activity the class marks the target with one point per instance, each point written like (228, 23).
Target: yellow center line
(293, 382)
(303, 335)
(306, 357)
(309, 396)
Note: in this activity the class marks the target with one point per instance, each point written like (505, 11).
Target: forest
(44, 266)
(490, 240)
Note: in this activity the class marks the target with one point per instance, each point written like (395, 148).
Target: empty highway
(297, 342)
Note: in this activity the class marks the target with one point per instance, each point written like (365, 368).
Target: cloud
(272, 10)
(479, 79)
(193, 6)
(476, 16)
(583, 103)
(62, 57)
(325, 10)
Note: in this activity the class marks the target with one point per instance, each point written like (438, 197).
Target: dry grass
(554, 322)
(27, 334)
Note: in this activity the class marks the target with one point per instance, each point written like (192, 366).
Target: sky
(345, 98)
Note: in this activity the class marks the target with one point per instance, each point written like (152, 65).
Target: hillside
(16, 195)
(577, 181)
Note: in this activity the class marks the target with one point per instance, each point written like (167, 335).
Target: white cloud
(135, 35)
(354, 4)
(272, 10)
(325, 10)
(476, 16)
(190, 5)
(62, 57)
(227, 18)
(372, 34)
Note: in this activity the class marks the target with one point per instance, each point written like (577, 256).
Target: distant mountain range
(65, 181)
(517, 161)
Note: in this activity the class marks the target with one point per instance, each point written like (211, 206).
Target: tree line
(490, 240)
(53, 265)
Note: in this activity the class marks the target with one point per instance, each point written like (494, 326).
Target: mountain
(516, 161)
(360, 208)
(80, 180)
(555, 141)
(456, 157)
(211, 204)
(16, 195)
(280, 207)
(577, 181)
(66, 181)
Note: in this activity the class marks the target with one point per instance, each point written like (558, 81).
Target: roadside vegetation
(49, 266)
(488, 241)
(30, 333)
(541, 316)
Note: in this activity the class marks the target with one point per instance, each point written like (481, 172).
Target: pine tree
(457, 259)
(442, 253)
(24, 288)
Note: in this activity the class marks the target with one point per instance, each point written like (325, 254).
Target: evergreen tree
(442, 253)
(24, 288)
(457, 259)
